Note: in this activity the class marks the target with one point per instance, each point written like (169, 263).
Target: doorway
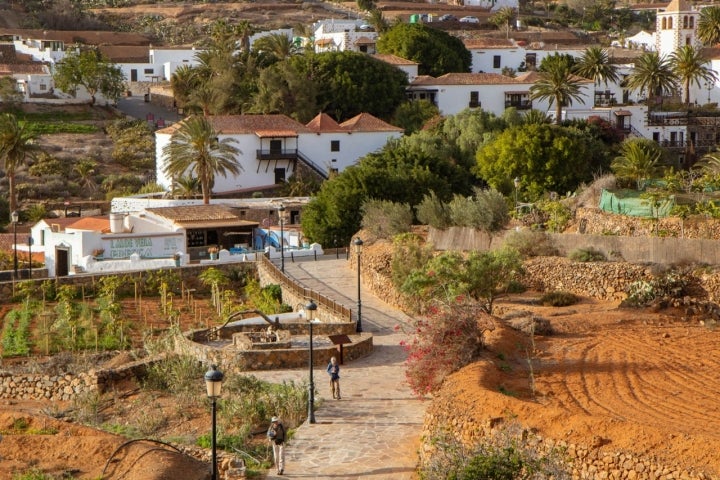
(62, 262)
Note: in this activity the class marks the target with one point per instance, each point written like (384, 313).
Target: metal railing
(303, 292)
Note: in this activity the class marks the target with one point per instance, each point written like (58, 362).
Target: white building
(339, 36)
(274, 146)
(676, 26)
(454, 92)
(407, 66)
(150, 64)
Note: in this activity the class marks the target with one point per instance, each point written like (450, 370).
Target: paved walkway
(374, 431)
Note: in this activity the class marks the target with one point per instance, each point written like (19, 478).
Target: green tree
(595, 64)
(17, 144)
(91, 70)
(350, 83)
(133, 144)
(482, 277)
(653, 74)
(378, 21)
(557, 84)
(286, 88)
(183, 82)
(436, 51)
(545, 157)
(85, 169)
(195, 149)
(639, 160)
(708, 26)
(690, 66)
(412, 115)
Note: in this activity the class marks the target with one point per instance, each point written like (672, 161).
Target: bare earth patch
(630, 380)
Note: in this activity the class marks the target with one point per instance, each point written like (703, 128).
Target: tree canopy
(437, 52)
(92, 70)
(544, 157)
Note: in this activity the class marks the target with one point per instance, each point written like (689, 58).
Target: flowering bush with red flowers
(444, 340)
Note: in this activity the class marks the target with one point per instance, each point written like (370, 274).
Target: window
(496, 61)
(664, 24)
(334, 145)
(474, 99)
(656, 137)
(692, 22)
(670, 23)
(43, 87)
(149, 71)
(685, 21)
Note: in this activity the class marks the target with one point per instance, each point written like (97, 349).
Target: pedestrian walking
(333, 369)
(276, 435)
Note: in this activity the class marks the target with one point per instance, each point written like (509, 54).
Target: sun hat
(274, 419)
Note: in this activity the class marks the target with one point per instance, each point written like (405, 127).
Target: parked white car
(470, 19)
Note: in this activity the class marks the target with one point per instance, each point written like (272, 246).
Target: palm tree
(86, 171)
(535, 117)
(595, 64)
(708, 27)
(196, 150)
(709, 164)
(278, 45)
(638, 160)
(557, 84)
(17, 144)
(652, 73)
(690, 66)
(182, 83)
(503, 17)
(186, 186)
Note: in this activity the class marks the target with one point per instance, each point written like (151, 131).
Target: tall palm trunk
(558, 110)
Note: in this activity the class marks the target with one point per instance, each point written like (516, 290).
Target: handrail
(301, 291)
(316, 168)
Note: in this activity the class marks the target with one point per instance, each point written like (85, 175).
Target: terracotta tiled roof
(528, 77)
(368, 123)
(7, 53)
(281, 125)
(487, 42)
(61, 222)
(711, 53)
(23, 68)
(94, 224)
(197, 216)
(126, 53)
(464, 79)
(324, 41)
(324, 123)
(365, 41)
(86, 37)
(393, 59)
(678, 6)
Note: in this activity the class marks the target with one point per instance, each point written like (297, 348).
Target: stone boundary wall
(589, 462)
(240, 361)
(66, 386)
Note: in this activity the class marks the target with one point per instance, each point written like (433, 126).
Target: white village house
(274, 146)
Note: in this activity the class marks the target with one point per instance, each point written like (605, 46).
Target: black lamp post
(311, 307)
(213, 382)
(358, 249)
(30, 242)
(281, 216)
(516, 182)
(15, 217)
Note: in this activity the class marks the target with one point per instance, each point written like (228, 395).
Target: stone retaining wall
(240, 361)
(65, 387)
(589, 462)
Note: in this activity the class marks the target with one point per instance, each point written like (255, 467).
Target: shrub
(408, 253)
(432, 211)
(559, 299)
(385, 219)
(671, 284)
(511, 453)
(587, 255)
(447, 339)
(531, 243)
